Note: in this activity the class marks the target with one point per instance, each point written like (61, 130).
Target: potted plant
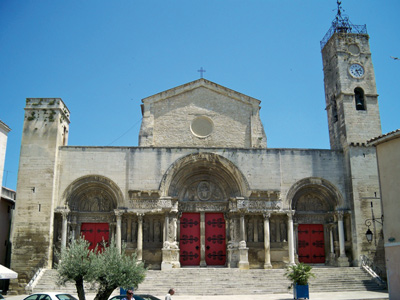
(299, 274)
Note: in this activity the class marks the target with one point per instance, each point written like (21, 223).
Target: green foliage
(111, 268)
(76, 262)
(299, 274)
(114, 268)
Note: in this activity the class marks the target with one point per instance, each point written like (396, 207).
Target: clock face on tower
(356, 70)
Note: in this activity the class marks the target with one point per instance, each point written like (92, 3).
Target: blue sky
(102, 57)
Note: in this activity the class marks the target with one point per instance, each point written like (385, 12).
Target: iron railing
(372, 269)
(342, 25)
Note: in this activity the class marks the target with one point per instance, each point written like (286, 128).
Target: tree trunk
(80, 289)
(104, 292)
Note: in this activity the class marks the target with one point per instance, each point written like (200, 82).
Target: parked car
(136, 297)
(50, 296)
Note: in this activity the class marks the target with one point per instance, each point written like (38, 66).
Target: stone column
(243, 250)
(73, 231)
(129, 229)
(203, 239)
(64, 214)
(242, 228)
(112, 231)
(170, 250)
(342, 259)
(74, 227)
(291, 238)
(139, 250)
(165, 232)
(332, 255)
(332, 246)
(118, 215)
(296, 237)
(267, 242)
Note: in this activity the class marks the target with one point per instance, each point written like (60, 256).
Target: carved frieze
(148, 194)
(202, 206)
(254, 205)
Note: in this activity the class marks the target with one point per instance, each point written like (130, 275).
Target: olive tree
(113, 268)
(76, 265)
(110, 268)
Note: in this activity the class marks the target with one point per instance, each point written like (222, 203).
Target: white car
(50, 296)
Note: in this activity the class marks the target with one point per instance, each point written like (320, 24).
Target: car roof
(50, 293)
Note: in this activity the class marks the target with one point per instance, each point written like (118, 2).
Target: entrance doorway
(95, 233)
(191, 242)
(311, 243)
(190, 239)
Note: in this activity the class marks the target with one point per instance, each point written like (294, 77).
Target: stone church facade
(202, 189)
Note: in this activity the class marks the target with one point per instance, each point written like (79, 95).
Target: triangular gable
(201, 83)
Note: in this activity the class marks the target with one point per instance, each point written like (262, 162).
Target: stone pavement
(357, 295)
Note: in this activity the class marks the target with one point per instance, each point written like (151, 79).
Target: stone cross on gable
(201, 72)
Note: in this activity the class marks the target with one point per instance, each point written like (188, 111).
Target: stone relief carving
(92, 201)
(202, 206)
(254, 205)
(203, 191)
(310, 203)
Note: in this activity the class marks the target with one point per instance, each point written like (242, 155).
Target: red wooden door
(95, 233)
(311, 243)
(190, 239)
(215, 239)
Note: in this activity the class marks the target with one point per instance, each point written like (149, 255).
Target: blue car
(136, 297)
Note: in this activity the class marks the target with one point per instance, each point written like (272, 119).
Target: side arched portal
(316, 203)
(88, 210)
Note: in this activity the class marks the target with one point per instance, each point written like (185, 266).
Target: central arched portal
(203, 184)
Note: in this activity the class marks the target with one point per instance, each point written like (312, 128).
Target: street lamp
(368, 223)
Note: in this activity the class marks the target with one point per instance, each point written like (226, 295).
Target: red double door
(190, 242)
(95, 233)
(311, 243)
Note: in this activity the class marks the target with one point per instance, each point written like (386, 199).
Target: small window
(359, 98)
(334, 110)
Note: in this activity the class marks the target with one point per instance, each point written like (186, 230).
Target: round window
(202, 126)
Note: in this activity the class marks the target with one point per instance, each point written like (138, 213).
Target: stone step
(223, 281)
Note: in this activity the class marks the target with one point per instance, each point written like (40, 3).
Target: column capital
(140, 216)
(340, 214)
(118, 212)
(290, 214)
(266, 215)
(65, 212)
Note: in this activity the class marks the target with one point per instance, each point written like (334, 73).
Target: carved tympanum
(203, 191)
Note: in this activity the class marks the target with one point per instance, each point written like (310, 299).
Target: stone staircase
(223, 281)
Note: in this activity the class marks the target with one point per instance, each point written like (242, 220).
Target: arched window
(359, 98)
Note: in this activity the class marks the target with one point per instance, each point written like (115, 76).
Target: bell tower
(350, 88)
(353, 118)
